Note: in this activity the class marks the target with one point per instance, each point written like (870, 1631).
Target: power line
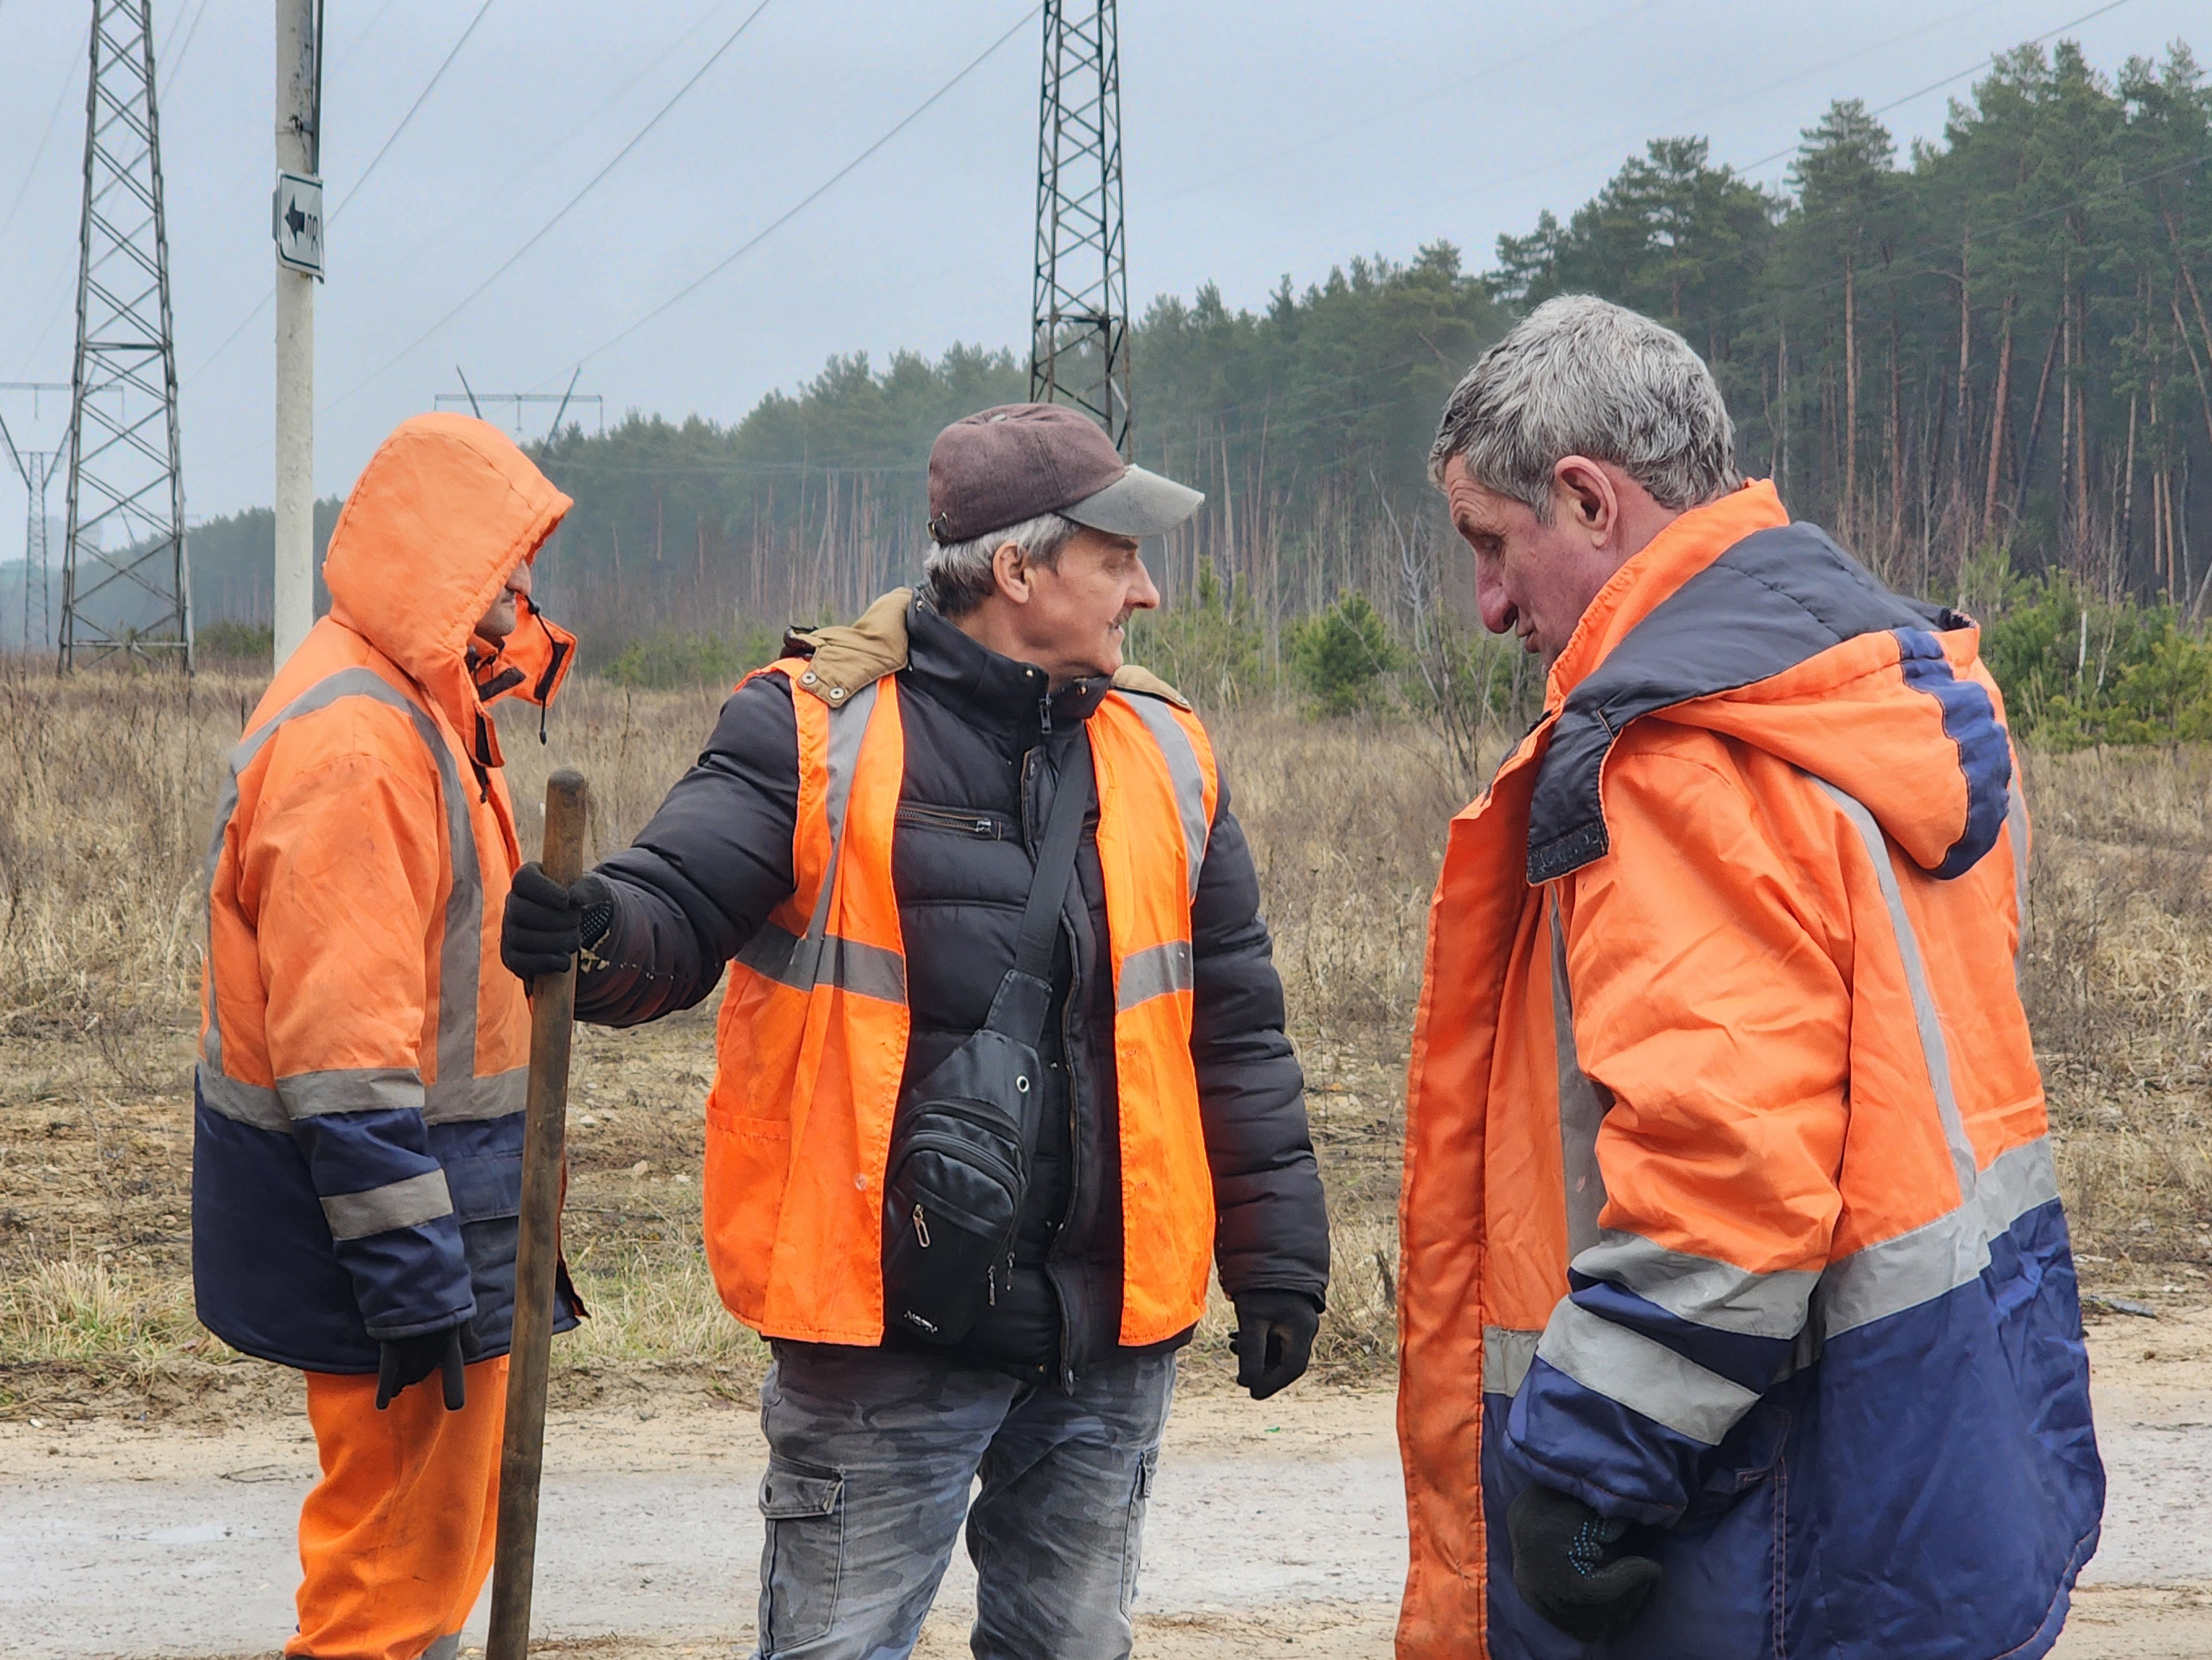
(177, 64)
(429, 86)
(1488, 72)
(1937, 86)
(61, 97)
(263, 304)
(1630, 137)
(545, 229)
(812, 196)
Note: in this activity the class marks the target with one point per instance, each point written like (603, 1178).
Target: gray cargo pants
(871, 1456)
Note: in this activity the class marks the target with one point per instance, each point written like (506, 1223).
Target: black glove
(1565, 1565)
(406, 1361)
(545, 923)
(1274, 1339)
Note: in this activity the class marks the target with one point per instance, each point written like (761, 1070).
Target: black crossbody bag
(965, 1136)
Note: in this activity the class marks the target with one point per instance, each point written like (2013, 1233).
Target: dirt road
(1278, 1524)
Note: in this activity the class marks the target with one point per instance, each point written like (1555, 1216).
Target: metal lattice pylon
(1079, 341)
(125, 586)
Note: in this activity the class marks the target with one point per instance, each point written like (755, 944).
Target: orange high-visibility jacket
(357, 1152)
(814, 1026)
(1727, 1204)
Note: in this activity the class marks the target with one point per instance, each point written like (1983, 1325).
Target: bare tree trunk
(1782, 399)
(1850, 392)
(1896, 444)
(1997, 418)
(2126, 537)
(2197, 366)
(2035, 425)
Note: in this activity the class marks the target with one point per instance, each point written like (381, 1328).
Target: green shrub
(1341, 655)
(1209, 647)
(670, 657)
(2077, 671)
(229, 641)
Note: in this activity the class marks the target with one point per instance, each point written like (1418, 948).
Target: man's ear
(1010, 570)
(1586, 494)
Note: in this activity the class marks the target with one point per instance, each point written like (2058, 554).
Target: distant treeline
(2004, 342)
(1997, 348)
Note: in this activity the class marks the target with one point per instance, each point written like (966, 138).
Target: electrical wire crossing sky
(701, 201)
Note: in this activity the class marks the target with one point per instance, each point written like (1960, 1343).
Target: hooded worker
(357, 1154)
(1738, 1314)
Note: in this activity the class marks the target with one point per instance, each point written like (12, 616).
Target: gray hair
(1582, 376)
(956, 575)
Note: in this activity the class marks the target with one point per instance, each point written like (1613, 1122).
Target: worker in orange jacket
(1738, 1316)
(358, 1110)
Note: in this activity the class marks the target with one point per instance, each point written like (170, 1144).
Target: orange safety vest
(813, 1038)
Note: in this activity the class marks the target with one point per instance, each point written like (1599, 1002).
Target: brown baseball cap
(998, 467)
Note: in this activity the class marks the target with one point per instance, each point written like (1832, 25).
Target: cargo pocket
(1133, 1535)
(804, 1506)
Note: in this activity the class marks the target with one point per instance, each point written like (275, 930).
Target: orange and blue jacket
(1729, 1206)
(357, 1160)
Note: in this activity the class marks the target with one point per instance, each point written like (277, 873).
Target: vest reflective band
(813, 1037)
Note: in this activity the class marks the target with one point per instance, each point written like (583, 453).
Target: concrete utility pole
(297, 219)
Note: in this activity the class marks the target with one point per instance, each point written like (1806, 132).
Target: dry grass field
(106, 792)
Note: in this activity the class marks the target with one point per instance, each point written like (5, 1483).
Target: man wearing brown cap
(1002, 1069)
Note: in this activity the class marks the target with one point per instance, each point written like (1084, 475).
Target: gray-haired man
(860, 843)
(1737, 1313)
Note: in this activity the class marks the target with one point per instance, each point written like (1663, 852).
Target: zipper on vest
(1044, 715)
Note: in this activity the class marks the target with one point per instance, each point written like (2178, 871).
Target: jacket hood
(1738, 621)
(444, 511)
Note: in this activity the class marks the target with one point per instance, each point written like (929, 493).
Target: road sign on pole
(295, 214)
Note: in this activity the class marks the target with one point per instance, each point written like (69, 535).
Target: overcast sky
(1260, 139)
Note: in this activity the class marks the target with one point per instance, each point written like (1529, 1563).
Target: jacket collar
(1659, 569)
(999, 695)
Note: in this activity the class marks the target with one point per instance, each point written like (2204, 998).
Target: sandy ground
(1272, 1525)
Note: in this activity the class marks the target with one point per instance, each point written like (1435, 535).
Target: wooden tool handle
(537, 1248)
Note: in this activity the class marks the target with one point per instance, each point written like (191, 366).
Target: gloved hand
(1274, 1339)
(406, 1361)
(545, 923)
(1567, 1565)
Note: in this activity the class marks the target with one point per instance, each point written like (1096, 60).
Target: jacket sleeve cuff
(1624, 1408)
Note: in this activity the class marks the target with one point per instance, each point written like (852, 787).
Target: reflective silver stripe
(1924, 1014)
(448, 1647)
(451, 1101)
(2016, 832)
(1939, 1256)
(403, 1204)
(1582, 1106)
(1643, 1374)
(358, 1089)
(823, 958)
(1700, 1290)
(460, 952)
(1189, 778)
(802, 964)
(247, 1104)
(768, 953)
(1156, 971)
(864, 970)
(1506, 1355)
(848, 727)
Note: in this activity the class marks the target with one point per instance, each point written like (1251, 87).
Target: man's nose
(1144, 596)
(1499, 613)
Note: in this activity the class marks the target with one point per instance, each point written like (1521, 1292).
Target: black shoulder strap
(1019, 1008)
